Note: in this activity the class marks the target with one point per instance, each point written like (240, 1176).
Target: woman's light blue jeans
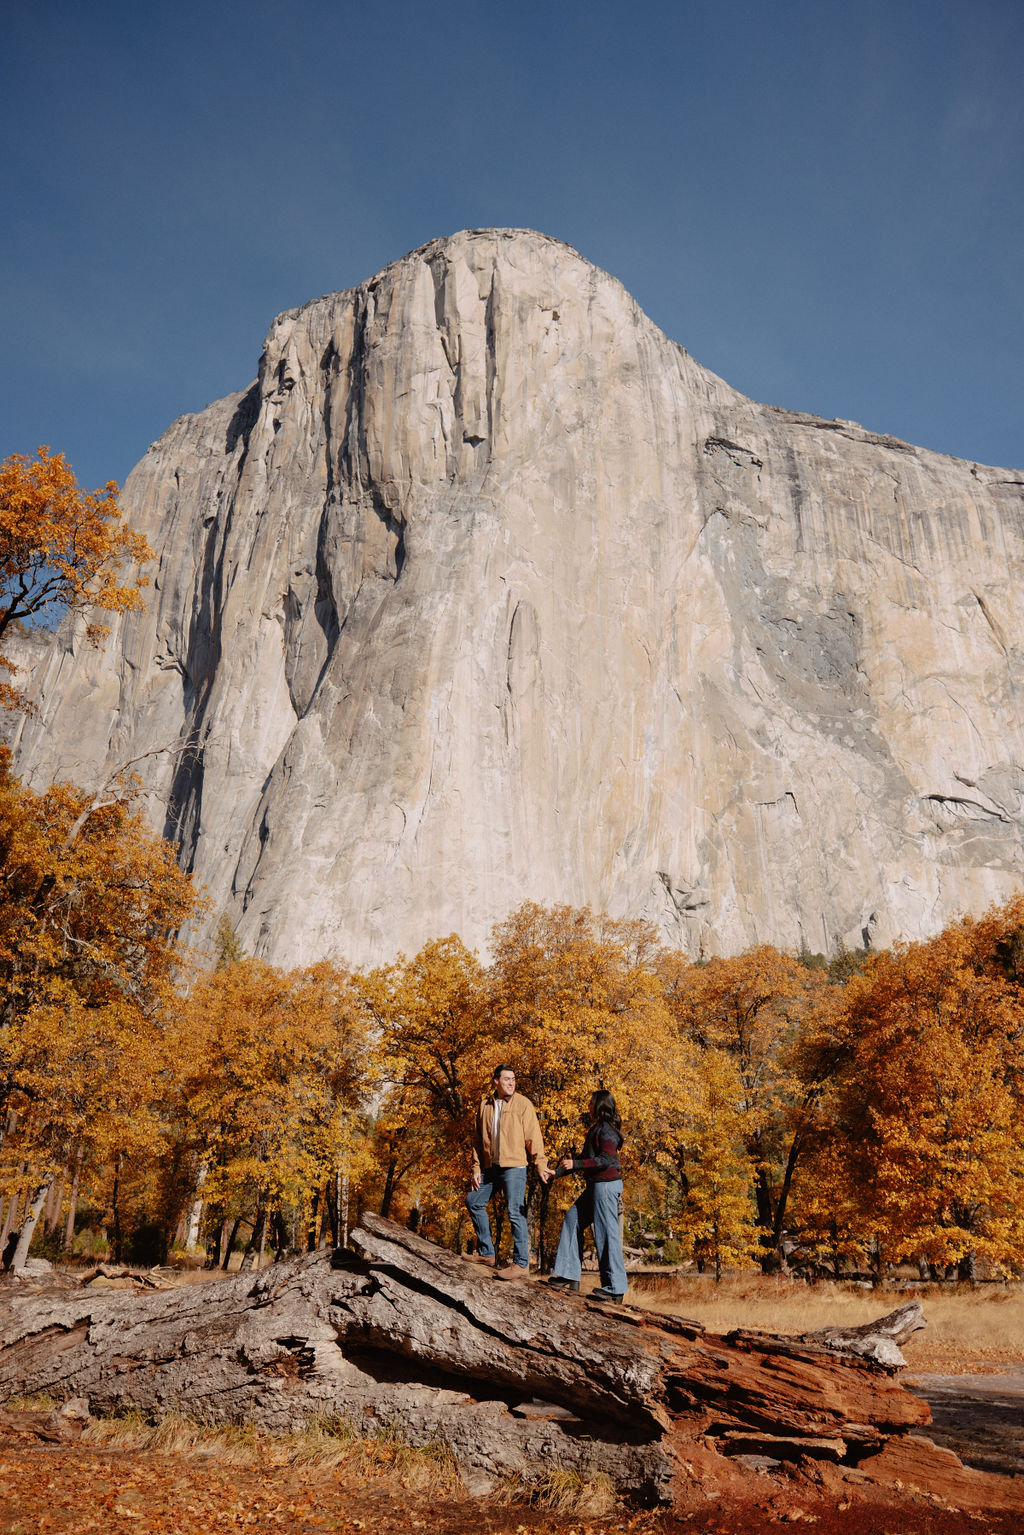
(597, 1206)
(513, 1181)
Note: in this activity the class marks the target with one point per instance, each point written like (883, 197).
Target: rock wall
(486, 591)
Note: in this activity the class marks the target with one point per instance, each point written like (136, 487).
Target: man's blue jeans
(513, 1181)
(597, 1206)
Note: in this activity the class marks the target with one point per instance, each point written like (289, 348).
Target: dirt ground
(74, 1490)
(979, 1417)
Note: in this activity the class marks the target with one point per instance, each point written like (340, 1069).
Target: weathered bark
(878, 1342)
(514, 1377)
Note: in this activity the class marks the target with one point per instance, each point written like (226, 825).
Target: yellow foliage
(717, 1217)
(434, 1048)
(271, 1071)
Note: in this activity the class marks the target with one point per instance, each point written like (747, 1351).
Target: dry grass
(968, 1329)
(38, 1403)
(562, 1492)
(326, 1443)
(385, 1462)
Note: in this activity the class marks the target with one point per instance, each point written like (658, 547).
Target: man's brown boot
(512, 1271)
(478, 1258)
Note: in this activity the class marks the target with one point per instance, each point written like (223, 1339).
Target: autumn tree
(716, 1220)
(926, 1106)
(435, 1044)
(86, 1089)
(227, 945)
(577, 1004)
(61, 549)
(270, 1076)
(756, 1008)
(91, 901)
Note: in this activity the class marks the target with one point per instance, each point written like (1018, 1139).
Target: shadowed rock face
(486, 591)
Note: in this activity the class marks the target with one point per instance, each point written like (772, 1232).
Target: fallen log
(395, 1333)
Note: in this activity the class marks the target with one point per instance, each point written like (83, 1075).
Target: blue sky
(824, 202)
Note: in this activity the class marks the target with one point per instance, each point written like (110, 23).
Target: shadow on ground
(980, 1417)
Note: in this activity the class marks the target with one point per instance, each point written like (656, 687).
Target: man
(507, 1137)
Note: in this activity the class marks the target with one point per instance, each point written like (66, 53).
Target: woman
(598, 1206)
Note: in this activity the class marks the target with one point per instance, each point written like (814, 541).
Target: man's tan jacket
(519, 1137)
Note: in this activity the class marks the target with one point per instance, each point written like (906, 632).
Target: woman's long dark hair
(603, 1110)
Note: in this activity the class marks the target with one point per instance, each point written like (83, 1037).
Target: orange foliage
(577, 1005)
(871, 1113)
(91, 901)
(921, 1146)
(60, 547)
(434, 1057)
(759, 1009)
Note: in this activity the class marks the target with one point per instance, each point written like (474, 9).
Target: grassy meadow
(969, 1329)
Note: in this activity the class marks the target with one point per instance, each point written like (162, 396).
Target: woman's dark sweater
(599, 1162)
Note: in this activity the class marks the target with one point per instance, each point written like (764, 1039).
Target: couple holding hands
(507, 1138)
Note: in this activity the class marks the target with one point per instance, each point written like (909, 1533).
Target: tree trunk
(779, 1224)
(389, 1187)
(195, 1214)
(331, 1227)
(226, 1242)
(280, 1235)
(400, 1336)
(258, 1241)
(115, 1205)
(9, 1217)
(28, 1225)
(215, 1241)
(11, 1214)
(967, 1268)
(69, 1224)
(54, 1200)
(230, 1241)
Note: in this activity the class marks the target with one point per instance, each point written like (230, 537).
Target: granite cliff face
(486, 591)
